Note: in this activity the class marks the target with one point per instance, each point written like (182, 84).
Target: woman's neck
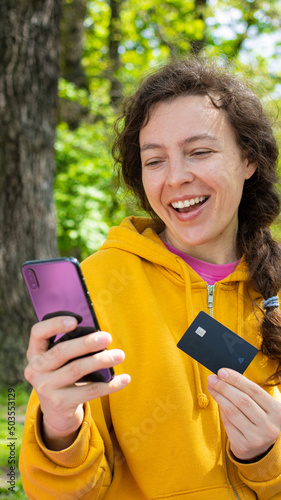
(208, 252)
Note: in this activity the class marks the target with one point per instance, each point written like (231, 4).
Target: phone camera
(31, 279)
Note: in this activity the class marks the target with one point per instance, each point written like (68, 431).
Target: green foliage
(145, 35)
(85, 189)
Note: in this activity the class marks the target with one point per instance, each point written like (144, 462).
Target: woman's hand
(62, 401)
(251, 417)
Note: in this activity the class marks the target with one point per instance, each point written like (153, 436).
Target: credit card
(215, 346)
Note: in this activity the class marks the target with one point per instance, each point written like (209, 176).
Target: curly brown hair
(260, 203)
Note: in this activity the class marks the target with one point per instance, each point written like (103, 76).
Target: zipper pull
(211, 291)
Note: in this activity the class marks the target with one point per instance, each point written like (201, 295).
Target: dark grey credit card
(215, 346)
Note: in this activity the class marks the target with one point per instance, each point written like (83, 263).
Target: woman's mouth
(185, 206)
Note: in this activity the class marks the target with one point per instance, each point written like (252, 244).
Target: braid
(259, 207)
(263, 255)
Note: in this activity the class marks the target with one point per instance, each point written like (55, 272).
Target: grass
(21, 394)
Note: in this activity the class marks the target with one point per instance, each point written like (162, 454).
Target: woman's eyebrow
(151, 146)
(188, 140)
(198, 137)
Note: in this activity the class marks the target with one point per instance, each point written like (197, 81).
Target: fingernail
(100, 338)
(117, 355)
(124, 379)
(212, 379)
(69, 322)
(223, 373)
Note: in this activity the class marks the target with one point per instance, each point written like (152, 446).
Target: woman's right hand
(54, 381)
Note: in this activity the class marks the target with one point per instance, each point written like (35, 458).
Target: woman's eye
(201, 152)
(152, 163)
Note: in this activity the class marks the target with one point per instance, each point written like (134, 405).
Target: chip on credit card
(215, 346)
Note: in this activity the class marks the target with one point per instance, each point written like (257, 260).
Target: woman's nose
(179, 173)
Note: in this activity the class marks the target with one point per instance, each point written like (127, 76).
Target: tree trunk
(72, 32)
(114, 38)
(72, 38)
(29, 63)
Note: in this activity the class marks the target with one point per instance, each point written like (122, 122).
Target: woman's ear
(250, 168)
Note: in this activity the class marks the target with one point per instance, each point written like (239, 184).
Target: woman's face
(193, 174)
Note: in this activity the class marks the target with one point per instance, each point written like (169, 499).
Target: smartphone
(57, 287)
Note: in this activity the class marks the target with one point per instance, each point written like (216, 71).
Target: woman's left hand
(251, 417)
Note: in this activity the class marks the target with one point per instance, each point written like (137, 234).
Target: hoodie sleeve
(80, 471)
(264, 476)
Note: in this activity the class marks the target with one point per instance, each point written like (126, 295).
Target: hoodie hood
(139, 236)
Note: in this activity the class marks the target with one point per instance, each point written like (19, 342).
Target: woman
(198, 151)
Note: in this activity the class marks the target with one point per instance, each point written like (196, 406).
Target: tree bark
(29, 62)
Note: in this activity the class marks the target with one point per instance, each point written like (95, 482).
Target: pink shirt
(211, 273)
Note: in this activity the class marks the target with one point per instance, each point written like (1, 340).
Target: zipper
(211, 292)
(228, 476)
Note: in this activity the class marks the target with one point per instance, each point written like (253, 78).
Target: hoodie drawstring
(202, 398)
(240, 308)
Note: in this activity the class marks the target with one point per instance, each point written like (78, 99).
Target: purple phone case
(56, 285)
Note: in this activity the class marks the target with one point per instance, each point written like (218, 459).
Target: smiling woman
(199, 153)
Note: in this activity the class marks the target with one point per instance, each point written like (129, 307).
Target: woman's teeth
(188, 203)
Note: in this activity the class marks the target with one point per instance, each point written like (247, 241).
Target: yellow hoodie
(162, 436)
